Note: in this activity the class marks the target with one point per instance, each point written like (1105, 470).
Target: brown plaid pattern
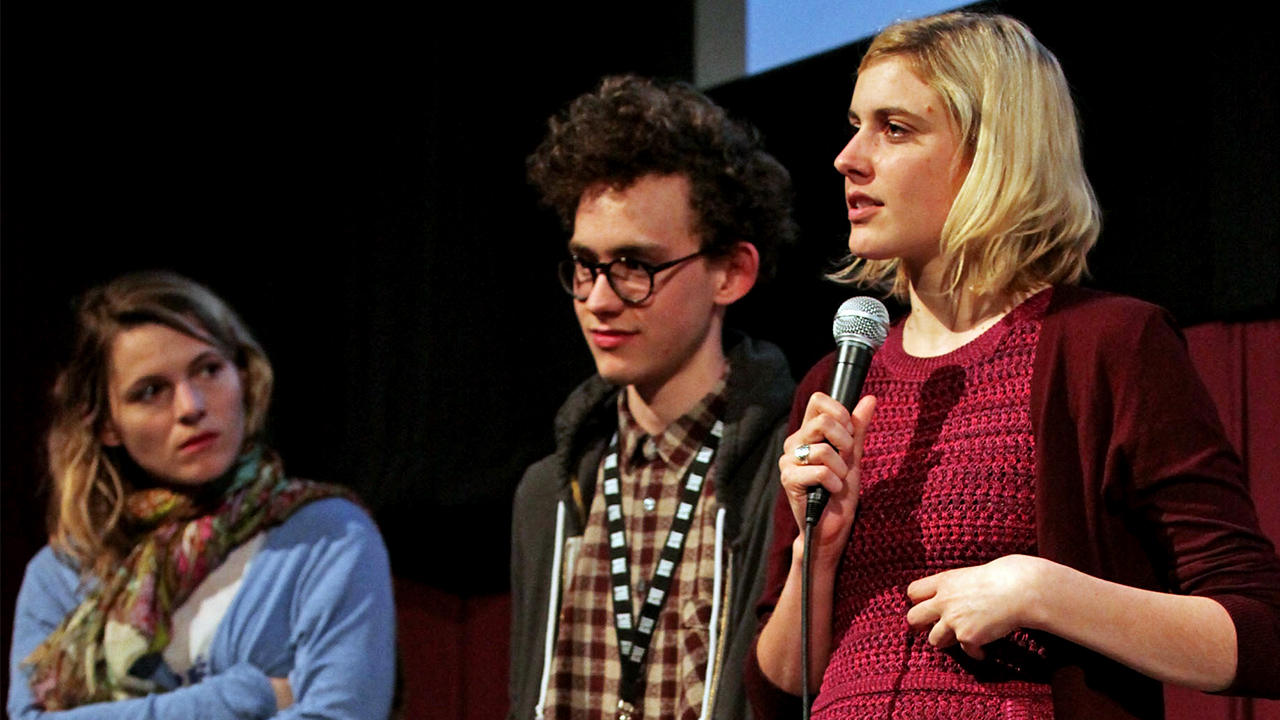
(586, 669)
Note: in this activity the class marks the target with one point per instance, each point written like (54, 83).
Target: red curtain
(453, 653)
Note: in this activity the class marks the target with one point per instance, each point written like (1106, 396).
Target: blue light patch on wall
(783, 31)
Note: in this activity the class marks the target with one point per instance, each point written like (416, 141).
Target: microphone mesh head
(863, 320)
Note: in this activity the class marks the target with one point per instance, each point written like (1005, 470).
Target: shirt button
(650, 504)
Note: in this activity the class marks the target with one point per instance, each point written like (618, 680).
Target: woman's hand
(1182, 639)
(975, 605)
(284, 692)
(834, 437)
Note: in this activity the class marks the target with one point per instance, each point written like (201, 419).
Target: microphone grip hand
(852, 362)
(816, 503)
(820, 468)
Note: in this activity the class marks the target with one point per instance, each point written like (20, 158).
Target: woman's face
(902, 168)
(177, 405)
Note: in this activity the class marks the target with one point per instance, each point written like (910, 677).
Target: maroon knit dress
(947, 482)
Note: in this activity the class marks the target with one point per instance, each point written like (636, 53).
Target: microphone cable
(804, 617)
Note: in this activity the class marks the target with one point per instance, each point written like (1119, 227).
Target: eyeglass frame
(566, 271)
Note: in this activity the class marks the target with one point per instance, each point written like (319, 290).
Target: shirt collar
(686, 433)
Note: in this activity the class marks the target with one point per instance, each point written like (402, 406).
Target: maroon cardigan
(1135, 483)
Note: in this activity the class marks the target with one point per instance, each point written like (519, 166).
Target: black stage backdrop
(353, 183)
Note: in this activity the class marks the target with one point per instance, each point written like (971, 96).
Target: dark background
(353, 183)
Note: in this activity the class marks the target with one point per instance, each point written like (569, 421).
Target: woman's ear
(740, 268)
(108, 434)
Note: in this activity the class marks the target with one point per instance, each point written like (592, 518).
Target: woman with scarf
(1034, 511)
(186, 575)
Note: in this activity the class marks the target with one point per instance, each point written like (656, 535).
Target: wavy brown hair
(630, 127)
(90, 481)
(1026, 215)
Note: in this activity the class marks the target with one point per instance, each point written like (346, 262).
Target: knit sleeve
(1137, 483)
(343, 625)
(49, 593)
(1193, 503)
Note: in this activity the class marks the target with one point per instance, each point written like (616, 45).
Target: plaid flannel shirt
(586, 667)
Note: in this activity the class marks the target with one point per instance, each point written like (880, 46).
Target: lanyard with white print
(633, 639)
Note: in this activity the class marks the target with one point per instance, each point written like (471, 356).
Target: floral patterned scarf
(127, 618)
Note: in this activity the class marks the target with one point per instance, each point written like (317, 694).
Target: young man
(637, 549)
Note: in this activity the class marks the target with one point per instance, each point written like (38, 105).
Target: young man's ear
(739, 269)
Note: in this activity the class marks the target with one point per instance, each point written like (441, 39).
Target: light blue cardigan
(315, 606)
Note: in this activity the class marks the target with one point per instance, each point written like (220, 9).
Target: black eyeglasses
(631, 280)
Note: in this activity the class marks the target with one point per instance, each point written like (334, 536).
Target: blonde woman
(1034, 512)
(186, 574)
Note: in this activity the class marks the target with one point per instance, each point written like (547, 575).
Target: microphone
(860, 328)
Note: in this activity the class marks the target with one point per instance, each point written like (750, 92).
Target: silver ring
(802, 454)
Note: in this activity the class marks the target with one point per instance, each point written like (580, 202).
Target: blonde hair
(90, 481)
(1025, 215)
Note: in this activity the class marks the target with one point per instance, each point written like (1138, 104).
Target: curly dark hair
(631, 127)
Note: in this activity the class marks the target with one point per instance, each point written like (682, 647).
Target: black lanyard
(633, 639)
